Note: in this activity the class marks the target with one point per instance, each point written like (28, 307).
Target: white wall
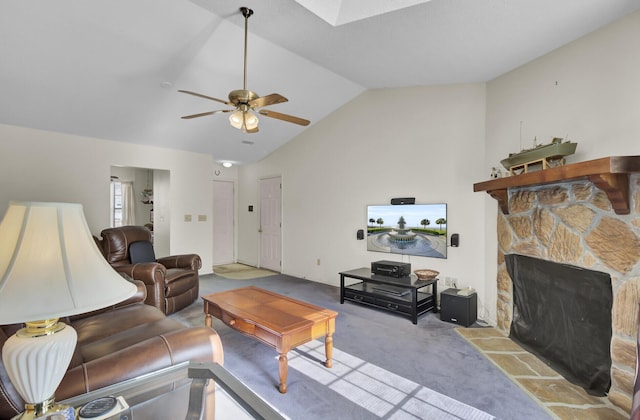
(596, 101)
(162, 214)
(447, 138)
(38, 165)
(422, 142)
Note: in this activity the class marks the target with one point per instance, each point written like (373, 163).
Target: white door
(270, 226)
(223, 244)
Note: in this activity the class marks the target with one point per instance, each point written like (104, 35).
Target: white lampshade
(51, 267)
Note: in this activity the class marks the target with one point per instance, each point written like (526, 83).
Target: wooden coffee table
(278, 321)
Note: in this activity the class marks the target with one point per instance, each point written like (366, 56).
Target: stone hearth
(574, 223)
(562, 399)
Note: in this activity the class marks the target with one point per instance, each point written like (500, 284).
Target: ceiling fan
(245, 103)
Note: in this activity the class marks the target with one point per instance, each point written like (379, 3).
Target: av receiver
(391, 268)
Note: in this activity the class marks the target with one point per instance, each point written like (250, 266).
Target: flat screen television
(408, 229)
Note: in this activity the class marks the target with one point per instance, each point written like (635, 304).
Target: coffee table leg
(208, 320)
(328, 349)
(283, 366)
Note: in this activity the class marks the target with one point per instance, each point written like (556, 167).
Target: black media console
(404, 295)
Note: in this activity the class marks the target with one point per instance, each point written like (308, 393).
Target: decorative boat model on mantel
(549, 155)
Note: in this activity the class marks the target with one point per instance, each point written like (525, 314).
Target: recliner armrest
(200, 344)
(150, 273)
(153, 275)
(191, 261)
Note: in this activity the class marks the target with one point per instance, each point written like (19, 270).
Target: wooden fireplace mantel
(610, 174)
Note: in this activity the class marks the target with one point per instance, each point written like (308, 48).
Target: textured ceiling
(111, 69)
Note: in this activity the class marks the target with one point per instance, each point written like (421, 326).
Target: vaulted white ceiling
(111, 69)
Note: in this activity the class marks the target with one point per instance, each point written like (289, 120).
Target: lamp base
(36, 359)
(62, 411)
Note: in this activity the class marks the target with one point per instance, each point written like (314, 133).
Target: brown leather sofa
(172, 282)
(116, 344)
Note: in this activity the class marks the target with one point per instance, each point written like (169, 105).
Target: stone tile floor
(559, 397)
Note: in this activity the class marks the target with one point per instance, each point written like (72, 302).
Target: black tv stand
(404, 295)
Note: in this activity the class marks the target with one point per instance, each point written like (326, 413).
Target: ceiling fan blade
(206, 97)
(204, 114)
(253, 130)
(284, 117)
(274, 98)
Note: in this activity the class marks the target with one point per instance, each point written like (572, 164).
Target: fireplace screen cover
(562, 314)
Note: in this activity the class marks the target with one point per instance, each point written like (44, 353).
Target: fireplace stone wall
(573, 223)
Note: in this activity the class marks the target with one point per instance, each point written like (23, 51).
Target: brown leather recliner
(172, 282)
(119, 343)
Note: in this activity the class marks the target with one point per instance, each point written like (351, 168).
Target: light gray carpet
(430, 355)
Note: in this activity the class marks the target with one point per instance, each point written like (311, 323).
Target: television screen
(409, 229)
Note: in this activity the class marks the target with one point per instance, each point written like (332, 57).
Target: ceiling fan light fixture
(244, 120)
(236, 119)
(250, 120)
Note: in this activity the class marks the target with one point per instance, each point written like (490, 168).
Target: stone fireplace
(570, 216)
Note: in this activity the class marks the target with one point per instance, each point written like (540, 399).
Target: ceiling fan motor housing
(242, 96)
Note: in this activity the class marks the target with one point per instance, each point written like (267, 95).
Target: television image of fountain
(419, 229)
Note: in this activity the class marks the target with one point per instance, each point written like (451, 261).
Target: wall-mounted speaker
(455, 240)
(406, 200)
(360, 234)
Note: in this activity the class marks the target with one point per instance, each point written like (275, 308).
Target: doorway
(223, 222)
(149, 202)
(270, 223)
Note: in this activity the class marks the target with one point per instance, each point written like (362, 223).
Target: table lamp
(50, 267)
